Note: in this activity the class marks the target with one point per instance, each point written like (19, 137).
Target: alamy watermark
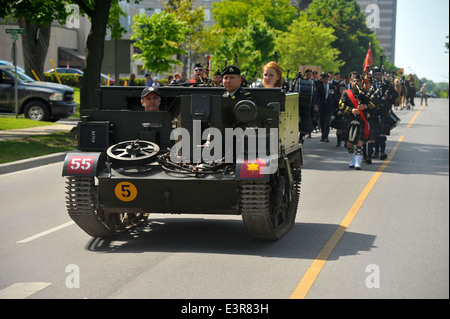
(241, 144)
(373, 279)
(373, 17)
(73, 19)
(73, 280)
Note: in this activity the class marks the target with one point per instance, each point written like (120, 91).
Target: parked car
(37, 100)
(78, 71)
(7, 63)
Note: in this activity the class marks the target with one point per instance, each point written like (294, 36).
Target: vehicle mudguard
(260, 169)
(83, 164)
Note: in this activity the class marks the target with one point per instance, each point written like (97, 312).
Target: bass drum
(393, 120)
(305, 89)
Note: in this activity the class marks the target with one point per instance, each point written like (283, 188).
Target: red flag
(369, 58)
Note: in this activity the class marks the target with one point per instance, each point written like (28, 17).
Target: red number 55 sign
(80, 164)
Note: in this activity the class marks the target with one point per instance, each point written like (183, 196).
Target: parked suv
(40, 101)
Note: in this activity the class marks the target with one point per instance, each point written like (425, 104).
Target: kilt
(385, 125)
(305, 125)
(346, 124)
(375, 127)
(337, 122)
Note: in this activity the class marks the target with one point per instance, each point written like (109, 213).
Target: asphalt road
(381, 232)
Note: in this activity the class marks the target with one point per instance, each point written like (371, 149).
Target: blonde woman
(272, 75)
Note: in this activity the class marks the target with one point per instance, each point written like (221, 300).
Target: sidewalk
(8, 135)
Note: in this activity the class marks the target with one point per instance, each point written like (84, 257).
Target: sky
(421, 30)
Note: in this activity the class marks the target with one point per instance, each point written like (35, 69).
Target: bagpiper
(355, 105)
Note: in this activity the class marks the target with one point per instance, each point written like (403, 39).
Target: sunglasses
(198, 70)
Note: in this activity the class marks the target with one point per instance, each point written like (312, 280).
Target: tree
(308, 43)
(254, 45)
(35, 17)
(103, 14)
(159, 37)
(352, 35)
(98, 13)
(183, 10)
(278, 14)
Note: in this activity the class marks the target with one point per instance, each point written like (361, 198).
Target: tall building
(381, 18)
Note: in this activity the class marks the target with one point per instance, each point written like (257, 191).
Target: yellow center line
(415, 116)
(313, 271)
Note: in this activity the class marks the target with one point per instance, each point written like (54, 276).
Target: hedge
(74, 80)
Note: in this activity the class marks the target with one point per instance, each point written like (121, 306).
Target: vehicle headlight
(57, 97)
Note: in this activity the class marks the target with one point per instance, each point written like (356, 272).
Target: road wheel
(81, 202)
(37, 111)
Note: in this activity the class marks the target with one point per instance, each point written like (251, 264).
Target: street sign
(14, 31)
(15, 36)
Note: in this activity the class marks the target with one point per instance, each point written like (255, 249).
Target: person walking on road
(423, 92)
(355, 104)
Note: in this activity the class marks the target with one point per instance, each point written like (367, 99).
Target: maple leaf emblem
(253, 167)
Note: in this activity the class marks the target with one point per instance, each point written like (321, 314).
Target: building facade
(381, 18)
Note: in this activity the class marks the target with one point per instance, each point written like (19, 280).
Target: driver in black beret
(232, 80)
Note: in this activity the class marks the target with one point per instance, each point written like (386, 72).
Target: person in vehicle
(151, 98)
(272, 75)
(231, 77)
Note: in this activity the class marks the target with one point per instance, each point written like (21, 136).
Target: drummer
(383, 95)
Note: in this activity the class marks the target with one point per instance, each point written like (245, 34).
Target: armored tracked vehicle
(203, 154)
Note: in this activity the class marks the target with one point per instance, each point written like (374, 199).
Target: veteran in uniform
(232, 80)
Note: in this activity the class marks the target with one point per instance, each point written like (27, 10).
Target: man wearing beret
(199, 74)
(232, 80)
(151, 98)
(217, 82)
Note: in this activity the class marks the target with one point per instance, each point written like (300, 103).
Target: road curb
(31, 163)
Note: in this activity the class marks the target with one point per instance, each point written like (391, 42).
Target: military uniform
(383, 94)
(239, 95)
(353, 126)
(346, 106)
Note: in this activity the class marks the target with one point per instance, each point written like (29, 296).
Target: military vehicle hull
(126, 168)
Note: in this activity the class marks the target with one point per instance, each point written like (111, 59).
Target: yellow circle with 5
(125, 191)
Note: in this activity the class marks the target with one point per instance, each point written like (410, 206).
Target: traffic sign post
(15, 36)
(15, 31)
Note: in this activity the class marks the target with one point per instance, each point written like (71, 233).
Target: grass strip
(38, 145)
(11, 123)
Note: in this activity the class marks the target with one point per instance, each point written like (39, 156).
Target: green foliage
(114, 20)
(237, 13)
(72, 80)
(138, 81)
(35, 11)
(254, 45)
(159, 37)
(183, 10)
(308, 43)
